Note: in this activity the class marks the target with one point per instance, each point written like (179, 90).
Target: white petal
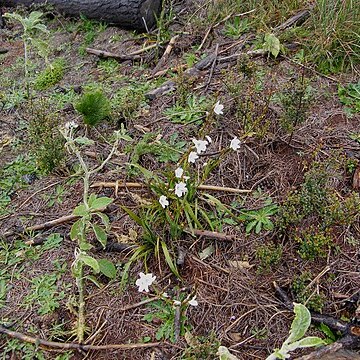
(179, 172)
(193, 156)
(235, 143)
(180, 189)
(163, 201)
(193, 301)
(218, 108)
(200, 145)
(177, 302)
(208, 138)
(145, 281)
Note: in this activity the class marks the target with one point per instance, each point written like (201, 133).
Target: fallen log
(135, 14)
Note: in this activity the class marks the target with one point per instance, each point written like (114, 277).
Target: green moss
(51, 75)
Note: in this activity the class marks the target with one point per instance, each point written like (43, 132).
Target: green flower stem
(81, 310)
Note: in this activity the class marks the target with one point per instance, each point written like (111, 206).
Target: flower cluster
(200, 147)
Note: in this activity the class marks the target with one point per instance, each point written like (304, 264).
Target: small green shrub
(295, 100)
(94, 106)
(350, 97)
(314, 243)
(304, 294)
(268, 256)
(47, 143)
(51, 75)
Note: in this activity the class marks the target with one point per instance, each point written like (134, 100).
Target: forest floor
(271, 200)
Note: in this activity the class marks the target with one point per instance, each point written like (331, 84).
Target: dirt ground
(238, 306)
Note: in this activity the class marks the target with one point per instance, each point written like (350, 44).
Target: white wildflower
(193, 156)
(218, 108)
(235, 143)
(163, 201)
(200, 145)
(180, 189)
(193, 301)
(165, 295)
(71, 125)
(177, 302)
(145, 281)
(179, 172)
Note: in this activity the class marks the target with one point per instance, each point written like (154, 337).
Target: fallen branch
(165, 55)
(71, 346)
(118, 184)
(211, 234)
(107, 54)
(295, 20)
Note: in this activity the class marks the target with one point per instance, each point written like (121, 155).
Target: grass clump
(336, 41)
(47, 144)
(94, 106)
(51, 75)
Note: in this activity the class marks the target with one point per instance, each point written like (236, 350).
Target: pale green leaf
(208, 251)
(101, 202)
(272, 44)
(100, 234)
(81, 210)
(76, 229)
(89, 261)
(300, 323)
(224, 354)
(107, 268)
(83, 140)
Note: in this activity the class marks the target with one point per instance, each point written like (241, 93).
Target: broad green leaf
(101, 202)
(169, 260)
(91, 199)
(272, 44)
(81, 210)
(89, 261)
(100, 234)
(76, 229)
(300, 323)
(107, 268)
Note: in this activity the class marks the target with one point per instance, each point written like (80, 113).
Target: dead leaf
(240, 264)
(356, 179)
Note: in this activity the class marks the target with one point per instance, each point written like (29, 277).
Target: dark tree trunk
(135, 14)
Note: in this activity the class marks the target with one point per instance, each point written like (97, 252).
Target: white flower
(71, 125)
(145, 281)
(163, 201)
(200, 145)
(180, 189)
(208, 138)
(177, 302)
(235, 143)
(165, 295)
(179, 172)
(218, 108)
(193, 156)
(193, 301)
